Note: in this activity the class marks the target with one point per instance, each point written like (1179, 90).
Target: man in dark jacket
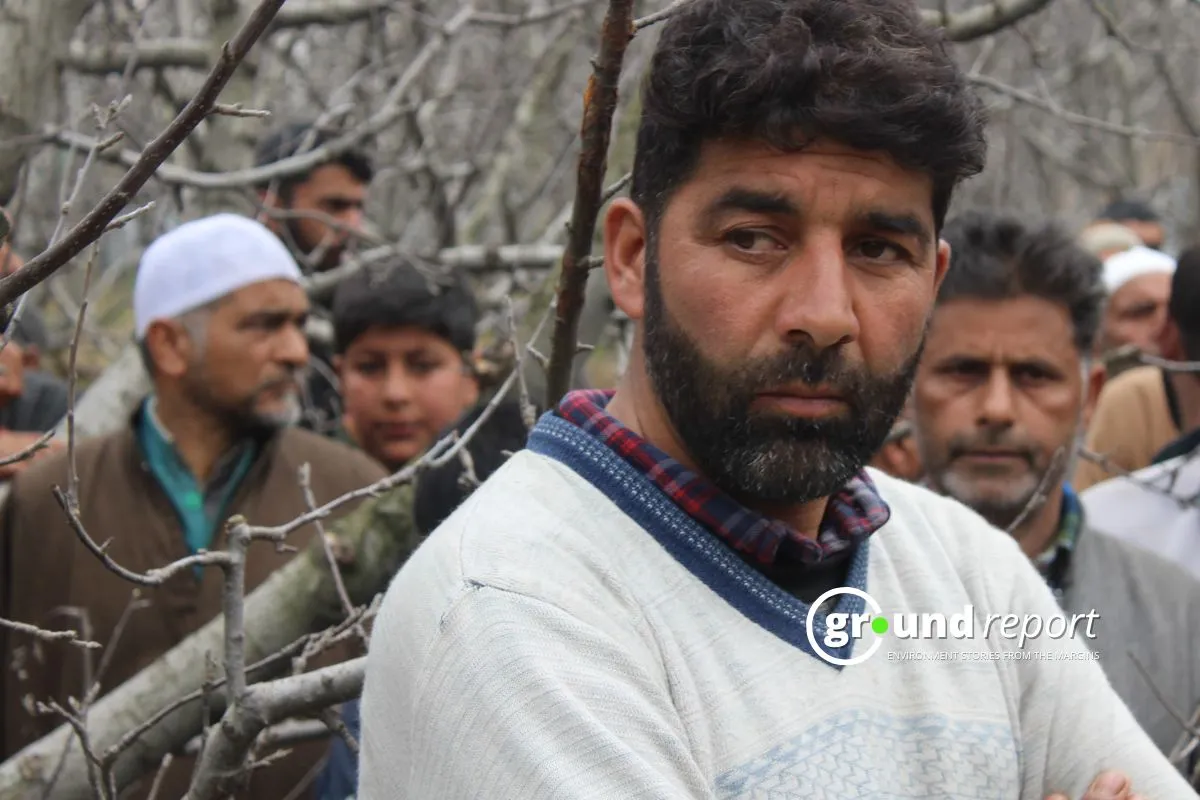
(219, 314)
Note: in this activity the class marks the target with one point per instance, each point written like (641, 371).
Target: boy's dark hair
(997, 257)
(286, 141)
(440, 490)
(397, 295)
(869, 74)
(1127, 208)
(1184, 306)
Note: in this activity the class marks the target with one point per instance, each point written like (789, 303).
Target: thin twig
(1162, 699)
(71, 637)
(1032, 100)
(1042, 491)
(72, 384)
(310, 501)
(1168, 364)
(42, 443)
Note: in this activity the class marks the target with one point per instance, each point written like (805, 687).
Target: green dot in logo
(879, 625)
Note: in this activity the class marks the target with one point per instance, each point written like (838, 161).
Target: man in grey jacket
(1003, 392)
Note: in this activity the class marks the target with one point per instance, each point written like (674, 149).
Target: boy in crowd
(404, 342)
(404, 345)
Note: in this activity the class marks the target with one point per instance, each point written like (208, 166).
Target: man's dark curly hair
(999, 257)
(868, 74)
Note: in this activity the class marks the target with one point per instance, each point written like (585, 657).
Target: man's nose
(352, 218)
(397, 387)
(815, 298)
(292, 347)
(998, 406)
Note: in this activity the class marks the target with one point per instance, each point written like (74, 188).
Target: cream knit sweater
(563, 636)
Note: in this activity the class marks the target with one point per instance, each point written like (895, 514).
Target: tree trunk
(33, 33)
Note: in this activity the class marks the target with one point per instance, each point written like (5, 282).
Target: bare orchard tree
(502, 128)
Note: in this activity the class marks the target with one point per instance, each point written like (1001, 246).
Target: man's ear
(170, 347)
(339, 363)
(625, 244)
(941, 265)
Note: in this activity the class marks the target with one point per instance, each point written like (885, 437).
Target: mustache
(292, 380)
(812, 367)
(991, 439)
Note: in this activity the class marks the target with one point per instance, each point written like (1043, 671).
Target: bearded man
(219, 315)
(633, 606)
(1003, 394)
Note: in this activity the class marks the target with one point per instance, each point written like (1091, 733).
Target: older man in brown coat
(219, 312)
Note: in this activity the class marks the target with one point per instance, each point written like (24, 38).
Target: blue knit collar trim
(691, 544)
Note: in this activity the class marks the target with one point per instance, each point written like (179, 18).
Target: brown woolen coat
(45, 571)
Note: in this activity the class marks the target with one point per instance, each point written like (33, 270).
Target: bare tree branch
(600, 102)
(266, 704)
(152, 54)
(90, 228)
(1030, 99)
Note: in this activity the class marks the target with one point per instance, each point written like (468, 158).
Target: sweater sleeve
(515, 697)
(1073, 724)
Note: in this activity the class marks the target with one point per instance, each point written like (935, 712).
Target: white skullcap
(1133, 263)
(201, 261)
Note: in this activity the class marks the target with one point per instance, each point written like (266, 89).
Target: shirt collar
(852, 514)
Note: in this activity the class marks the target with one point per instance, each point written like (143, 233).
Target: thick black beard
(759, 457)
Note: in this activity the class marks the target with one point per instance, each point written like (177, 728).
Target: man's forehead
(1012, 329)
(821, 177)
(273, 295)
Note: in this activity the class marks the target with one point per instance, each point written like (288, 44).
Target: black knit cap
(398, 295)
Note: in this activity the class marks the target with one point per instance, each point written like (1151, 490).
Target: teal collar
(199, 509)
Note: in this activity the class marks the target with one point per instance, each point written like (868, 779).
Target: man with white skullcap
(1137, 412)
(218, 314)
(1138, 282)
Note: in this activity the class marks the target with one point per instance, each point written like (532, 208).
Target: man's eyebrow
(276, 316)
(905, 224)
(754, 201)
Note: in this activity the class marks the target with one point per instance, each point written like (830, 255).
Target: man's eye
(424, 367)
(880, 250)
(368, 368)
(752, 240)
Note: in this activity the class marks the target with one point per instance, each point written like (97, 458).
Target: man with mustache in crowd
(219, 315)
(633, 606)
(318, 214)
(1001, 398)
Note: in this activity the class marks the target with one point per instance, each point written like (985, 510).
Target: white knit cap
(1133, 263)
(203, 260)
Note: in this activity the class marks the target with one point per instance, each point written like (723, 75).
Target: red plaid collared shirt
(853, 513)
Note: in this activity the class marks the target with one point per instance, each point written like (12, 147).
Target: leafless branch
(335, 568)
(264, 704)
(92, 226)
(70, 637)
(1168, 364)
(1032, 100)
(154, 54)
(1049, 479)
(28, 452)
(600, 102)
